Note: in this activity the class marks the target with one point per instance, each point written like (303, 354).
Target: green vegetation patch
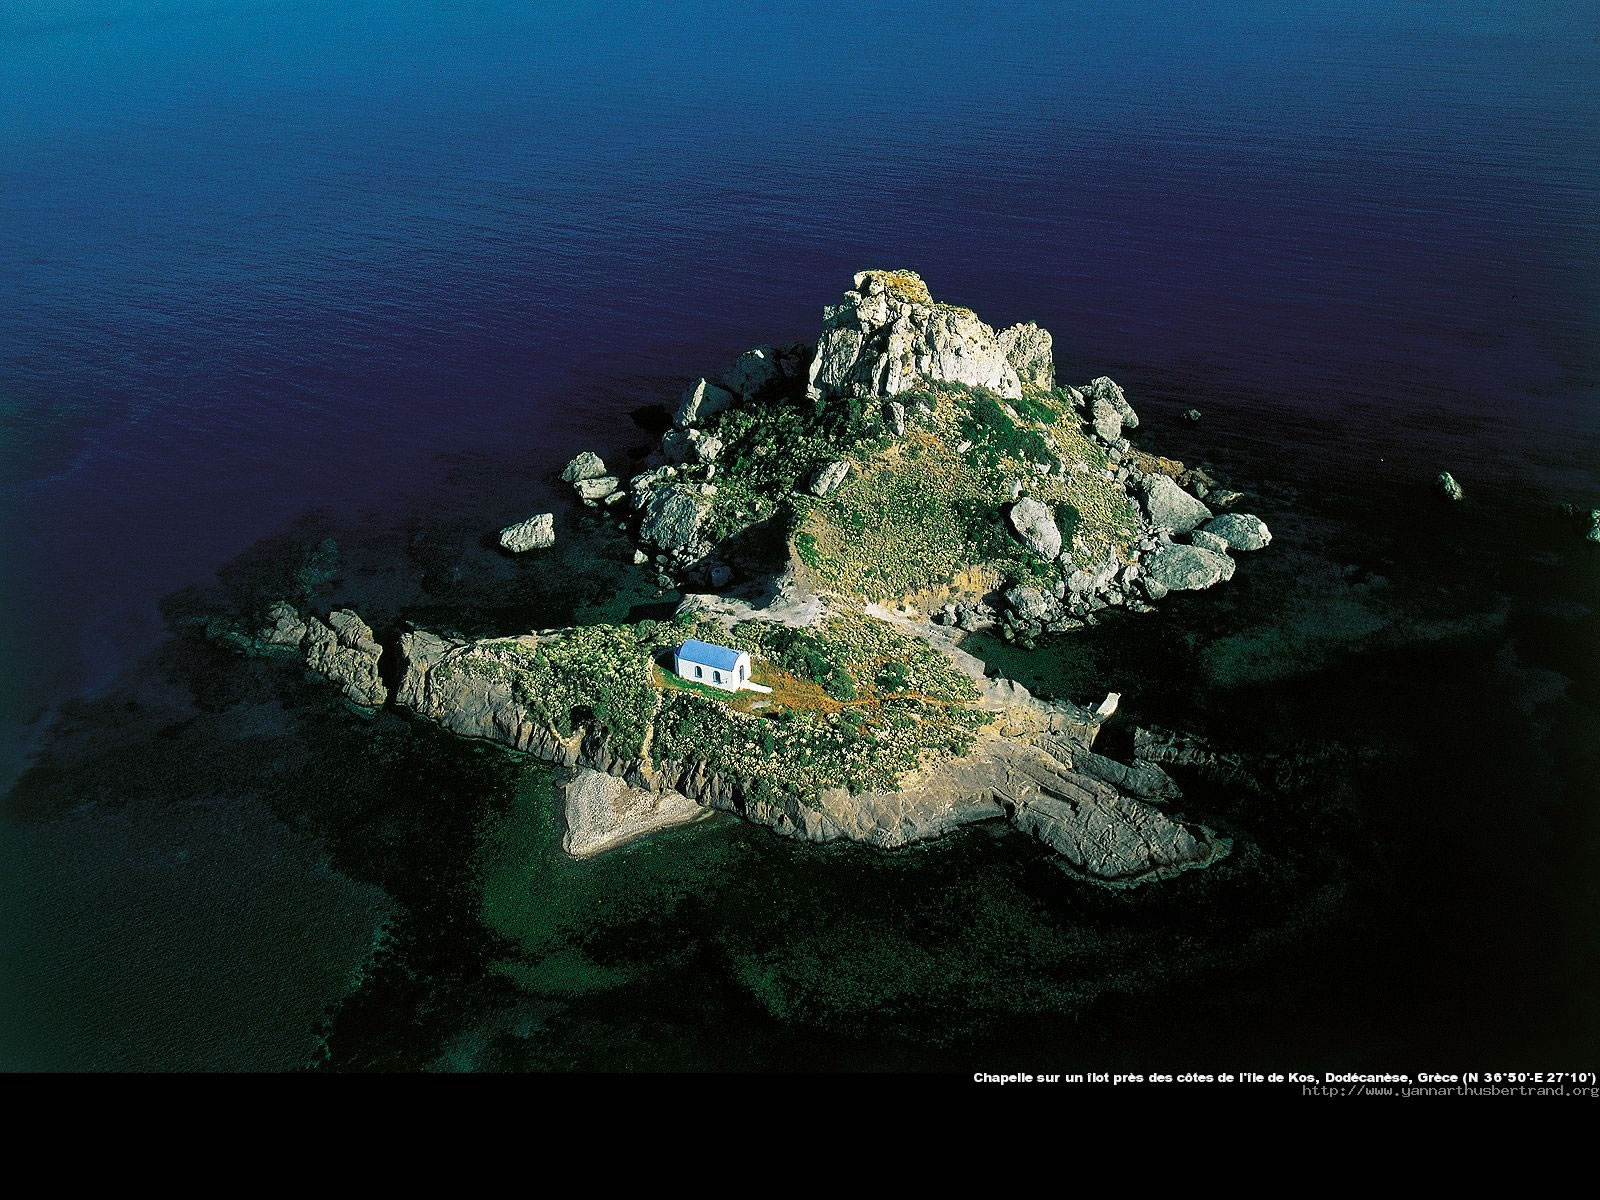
(603, 670)
(898, 704)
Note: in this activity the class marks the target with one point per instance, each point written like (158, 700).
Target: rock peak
(889, 335)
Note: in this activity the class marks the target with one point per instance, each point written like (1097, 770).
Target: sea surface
(309, 299)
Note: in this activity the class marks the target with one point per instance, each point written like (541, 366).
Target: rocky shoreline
(1065, 518)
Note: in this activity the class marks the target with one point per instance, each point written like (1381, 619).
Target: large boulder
(889, 335)
(1106, 419)
(827, 478)
(1107, 392)
(587, 465)
(1242, 531)
(1030, 603)
(672, 518)
(1215, 543)
(598, 488)
(1445, 484)
(701, 399)
(1174, 568)
(753, 373)
(1034, 524)
(1027, 348)
(344, 649)
(536, 533)
(1169, 506)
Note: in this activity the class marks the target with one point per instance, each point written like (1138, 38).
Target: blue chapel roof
(708, 654)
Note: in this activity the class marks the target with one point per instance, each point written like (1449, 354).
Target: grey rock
(1028, 349)
(1106, 419)
(1192, 414)
(603, 812)
(1169, 506)
(1034, 524)
(596, 488)
(673, 517)
(1030, 603)
(1144, 780)
(827, 478)
(536, 533)
(702, 399)
(1594, 525)
(344, 650)
(1223, 498)
(888, 336)
(676, 446)
(640, 558)
(1242, 531)
(285, 626)
(753, 373)
(1445, 484)
(894, 416)
(1213, 542)
(721, 575)
(587, 465)
(708, 448)
(1184, 569)
(1105, 390)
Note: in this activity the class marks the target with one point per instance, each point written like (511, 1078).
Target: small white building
(715, 666)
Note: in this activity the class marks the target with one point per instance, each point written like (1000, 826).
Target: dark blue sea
(294, 291)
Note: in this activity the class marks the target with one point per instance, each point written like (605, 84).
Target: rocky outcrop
(889, 335)
(344, 649)
(1177, 568)
(1241, 531)
(1445, 484)
(285, 627)
(596, 488)
(1101, 833)
(702, 399)
(604, 812)
(536, 533)
(1191, 414)
(1035, 526)
(763, 368)
(1029, 350)
(1170, 507)
(1103, 391)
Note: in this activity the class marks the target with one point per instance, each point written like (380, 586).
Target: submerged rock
(889, 335)
(536, 533)
(1192, 414)
(1242, 531)
(1035, 525)
(1445, 484)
